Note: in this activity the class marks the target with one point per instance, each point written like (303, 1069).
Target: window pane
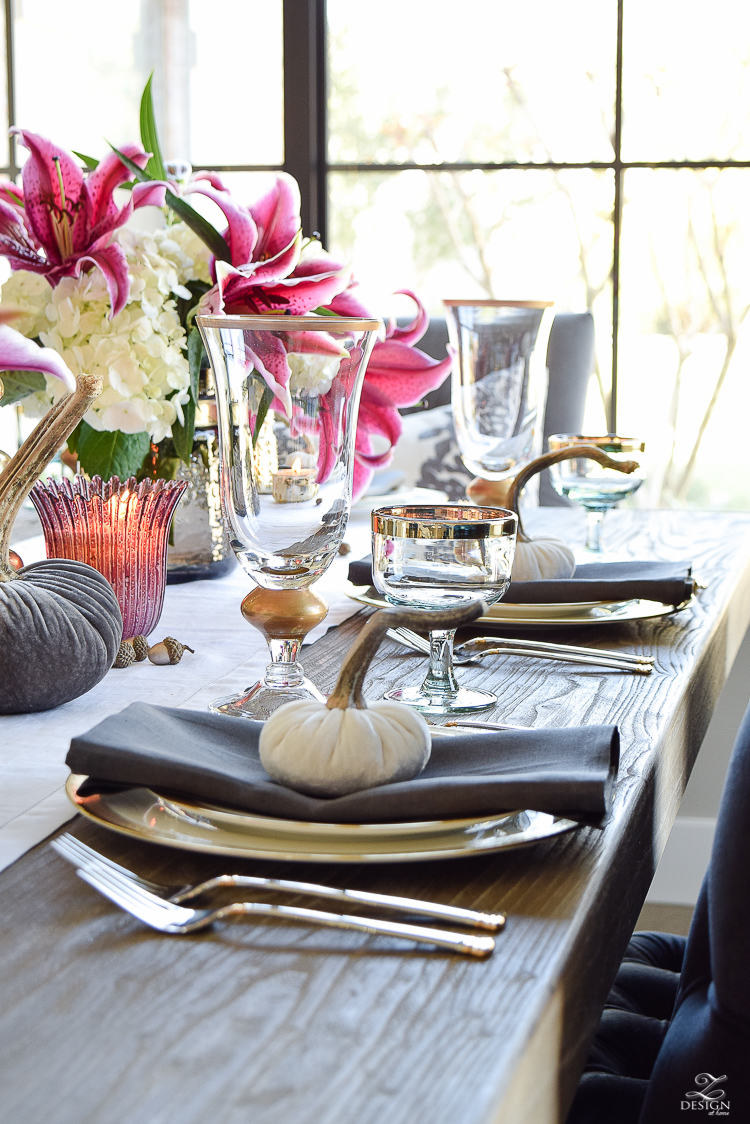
(487, 80)
(686, 80)
(205, 109)
(683, 346)
(237, 82)
(533, 235)
(76, 76)
(4, 139)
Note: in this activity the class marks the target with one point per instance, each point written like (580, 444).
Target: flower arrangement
(121, 303)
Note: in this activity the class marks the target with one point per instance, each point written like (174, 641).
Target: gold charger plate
(554, 615)
(142, 814)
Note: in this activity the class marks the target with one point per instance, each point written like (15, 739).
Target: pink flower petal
(268, 355)
(101, 183)
(363, 475)
(276, 216)
(299, 295)
(114, 265)
(241, 233)
(60, 226)
(405, 374)
(346, 304)
(149, 194)
(216, 181)
(15, 243)
(314, 343)
(414, 331)
(17, 353)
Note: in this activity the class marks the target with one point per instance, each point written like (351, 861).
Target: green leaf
(323, 312)
(182, 435)
(72, 441)
(187, 306)
(18, 385)
(131, 165)
(91, 163)
(108, 454)
(265, 402)
(149, 136)
(200, 226)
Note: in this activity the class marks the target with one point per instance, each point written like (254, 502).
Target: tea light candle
(292, 485)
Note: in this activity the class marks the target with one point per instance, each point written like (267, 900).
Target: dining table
(106, 1021)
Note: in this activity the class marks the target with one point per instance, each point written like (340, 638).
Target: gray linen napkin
(669, 582)
(567, 771)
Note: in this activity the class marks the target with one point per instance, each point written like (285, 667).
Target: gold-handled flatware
(168, 917)
(84, 857)
(482, 646)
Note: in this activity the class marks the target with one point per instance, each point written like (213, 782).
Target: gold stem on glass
(284, 614)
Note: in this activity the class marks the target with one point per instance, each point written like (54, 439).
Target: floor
(664, 918)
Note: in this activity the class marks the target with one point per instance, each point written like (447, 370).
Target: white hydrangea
(140, 353)
(311, 374)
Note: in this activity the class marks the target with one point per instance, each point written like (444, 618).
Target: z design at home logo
(707, 1096)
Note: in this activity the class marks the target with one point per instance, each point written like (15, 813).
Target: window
(596, 151)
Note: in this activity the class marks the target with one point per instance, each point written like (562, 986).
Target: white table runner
(229, 656)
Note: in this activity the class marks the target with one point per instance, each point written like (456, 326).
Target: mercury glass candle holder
(119, 528)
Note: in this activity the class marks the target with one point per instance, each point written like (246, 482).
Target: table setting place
(280, 770)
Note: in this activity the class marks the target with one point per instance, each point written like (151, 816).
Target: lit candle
(292, 485)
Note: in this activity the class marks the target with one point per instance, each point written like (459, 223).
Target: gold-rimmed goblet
(287, 396)
(593, 486)
(436, 558)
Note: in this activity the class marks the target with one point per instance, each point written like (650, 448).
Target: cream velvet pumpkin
(331, 752)
(541, 559)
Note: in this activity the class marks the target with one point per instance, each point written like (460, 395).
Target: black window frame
(306, 140)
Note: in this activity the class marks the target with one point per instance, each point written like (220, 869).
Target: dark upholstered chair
(675, 1033)
(570, 358)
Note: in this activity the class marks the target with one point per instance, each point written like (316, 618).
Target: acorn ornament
(125, 654)
(140, 647)
(168, 651)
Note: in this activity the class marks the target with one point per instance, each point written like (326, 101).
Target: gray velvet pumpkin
(60, 624)
(60, 628)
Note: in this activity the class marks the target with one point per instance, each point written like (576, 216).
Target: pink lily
(17, 353)
(398, 374)
(265, 241)
(62, 221)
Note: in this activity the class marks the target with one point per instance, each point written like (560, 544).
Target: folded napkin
(213, 757)
(670, 582)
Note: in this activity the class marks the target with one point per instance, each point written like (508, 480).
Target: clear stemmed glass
(499, 382)
(594, 487)
(287, 396)
(438, 558)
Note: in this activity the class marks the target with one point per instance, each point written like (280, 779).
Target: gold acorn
(140, 647)
(168, 651)
(125, 655)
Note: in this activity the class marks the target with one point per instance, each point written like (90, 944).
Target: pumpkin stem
(348, 690)
(21, 471)
(589, 452)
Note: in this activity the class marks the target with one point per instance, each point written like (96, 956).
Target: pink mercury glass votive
(121, 529)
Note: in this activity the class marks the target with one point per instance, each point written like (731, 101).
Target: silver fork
(168, 917)
(473, 650)
(82, 856)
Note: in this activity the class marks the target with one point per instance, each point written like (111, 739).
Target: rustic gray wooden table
(106, 1022)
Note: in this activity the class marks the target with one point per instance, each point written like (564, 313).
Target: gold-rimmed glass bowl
(436, 558)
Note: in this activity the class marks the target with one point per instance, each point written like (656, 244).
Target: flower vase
(119, 528)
